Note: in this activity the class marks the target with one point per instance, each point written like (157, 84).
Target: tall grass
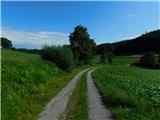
(132, 93)
(28, 84)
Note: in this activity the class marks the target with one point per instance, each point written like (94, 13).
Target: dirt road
(58, 104)
(97, 111)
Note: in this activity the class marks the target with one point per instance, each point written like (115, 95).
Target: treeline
(5, 43)
(139, 45)
(80, 50)
(33, 51)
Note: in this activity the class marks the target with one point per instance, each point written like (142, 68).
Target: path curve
(58, 104)
(97, 111)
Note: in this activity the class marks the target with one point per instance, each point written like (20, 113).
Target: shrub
(103, 58)
(159, 57)
(107, 57)
(148, 60)
(5, 43)
(62, 56)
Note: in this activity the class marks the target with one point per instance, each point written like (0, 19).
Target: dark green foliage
(5, 43)
(82, 46)
(110, 56)
(148, 60)
(107, 57)
(62, 56)
(103, 58)
(33, 51)
(106, 47)
(147, 42)
(159, 57)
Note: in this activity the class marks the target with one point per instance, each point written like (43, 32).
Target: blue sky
(32, 24)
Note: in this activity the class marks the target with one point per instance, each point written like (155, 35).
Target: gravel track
(97, 111)
(58, 104)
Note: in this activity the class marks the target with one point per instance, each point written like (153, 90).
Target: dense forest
(146, 42)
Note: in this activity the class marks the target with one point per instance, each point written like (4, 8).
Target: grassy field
(125, 60)
(28, 83)
(118, 60)
(78, 108)
(132, 93)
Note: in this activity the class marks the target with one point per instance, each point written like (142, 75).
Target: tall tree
(82, 46)
(5, 43)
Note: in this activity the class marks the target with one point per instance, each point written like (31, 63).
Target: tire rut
(58, 104)
(97, 111)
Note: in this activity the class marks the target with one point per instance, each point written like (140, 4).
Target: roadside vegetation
(62, 56)
(28, 83)
(130, 92)
(79, 52)
(77, 108)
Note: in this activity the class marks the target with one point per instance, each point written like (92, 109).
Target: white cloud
(129, 15)
(34, 39)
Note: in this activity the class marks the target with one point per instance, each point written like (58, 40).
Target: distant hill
(146, 42)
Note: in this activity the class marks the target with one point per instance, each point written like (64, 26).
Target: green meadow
(132, 93)
(28, 84)
(80, 60)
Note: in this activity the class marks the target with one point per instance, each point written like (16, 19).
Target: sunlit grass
(77, 108)
(28, 84)
(131, 92)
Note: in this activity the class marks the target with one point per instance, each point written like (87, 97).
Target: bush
(159, 57)
(107, 57)
(5, 43)
(103, 58)
(62, 56)
(148, 60)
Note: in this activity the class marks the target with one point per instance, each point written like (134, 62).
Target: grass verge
(77, 108)
(28, 84)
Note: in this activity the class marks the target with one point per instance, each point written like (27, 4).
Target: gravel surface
(58, 104)
(97, 111)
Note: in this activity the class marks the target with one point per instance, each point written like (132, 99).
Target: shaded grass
(117, 60)
(132, 93)
(125, 60)
(77, 108)
(28, 84)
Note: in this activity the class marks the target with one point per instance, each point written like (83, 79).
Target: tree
(5, 43)
(82, 46)
(149, 60)
(107, 57)
(103, 58)
(159, 57)
(110, 57)
(147, 42)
